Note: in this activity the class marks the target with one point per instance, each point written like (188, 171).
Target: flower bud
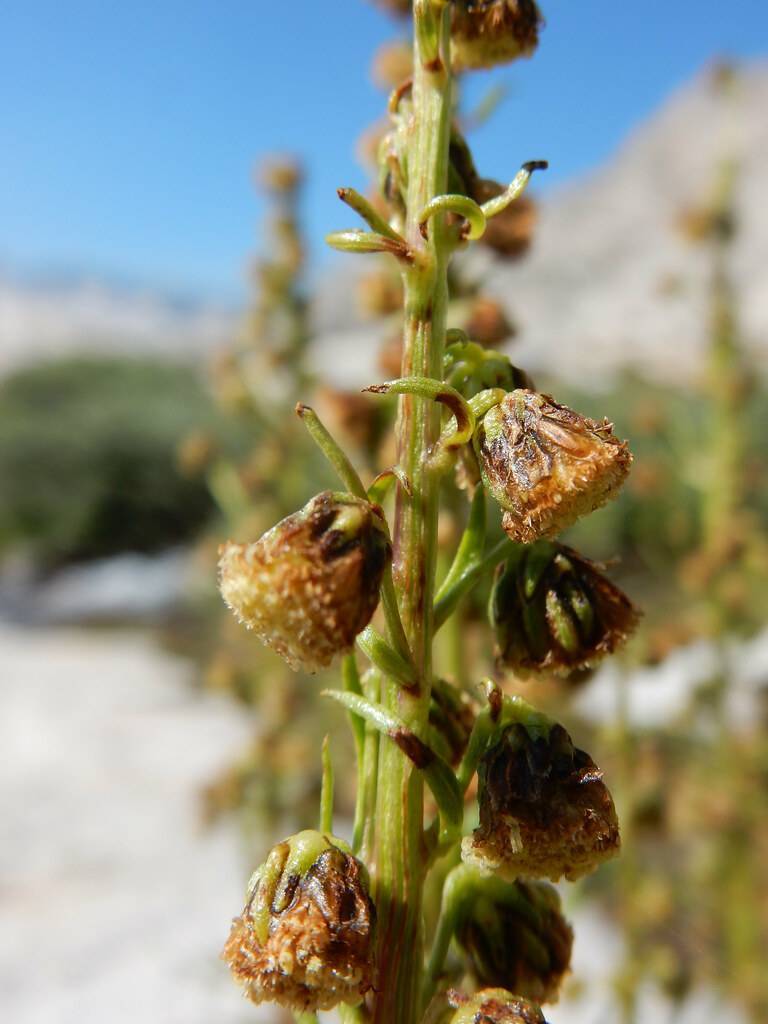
(552, 610)
(494, 1006)
(305, 937)
(546, 465)
(311, 583)
(515, 934)
(489, 32)
(544, 809)
(470, 368)
(509, 233)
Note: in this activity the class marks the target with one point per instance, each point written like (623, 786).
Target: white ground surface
(113, 903)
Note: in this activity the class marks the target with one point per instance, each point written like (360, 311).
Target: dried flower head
(546, 465)
(392, 64)
(515, 934)
(554, 611)
(494, 1006)
(487, 322)
(489, 32)
(311, 583)
(509, 233)
(352, 415)
(544, 809)
(380, 293)
(305, 937)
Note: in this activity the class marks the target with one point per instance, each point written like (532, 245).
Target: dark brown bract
(544, 809)
(311, 583)
(318, 950)
(554, 611)
(494, 1006)
(546, 465)
(489, 32)
(514, 934)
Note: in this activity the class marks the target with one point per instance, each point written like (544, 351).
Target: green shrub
(88, 463)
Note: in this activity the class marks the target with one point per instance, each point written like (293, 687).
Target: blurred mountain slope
(41, 318)
(610, 283)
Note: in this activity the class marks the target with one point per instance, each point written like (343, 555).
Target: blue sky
(128, 128)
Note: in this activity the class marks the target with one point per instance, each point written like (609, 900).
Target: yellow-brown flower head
(546, 465)
(554, 611)
(305, 937)
(494, 1006)
(508, 234)
(311, 583)
(544, 809)
(489, 32)
(514, 934)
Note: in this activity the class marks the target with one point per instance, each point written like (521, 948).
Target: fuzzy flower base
(311, 583)
(317, 952)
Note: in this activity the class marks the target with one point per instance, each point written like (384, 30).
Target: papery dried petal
(546, 465)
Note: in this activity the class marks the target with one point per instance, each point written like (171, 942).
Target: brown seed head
(515, 934)
(305, 938)
(544, 809)
(311, 583)
(489, 32)
(494, 1006)
(554, 611)
(546, 465)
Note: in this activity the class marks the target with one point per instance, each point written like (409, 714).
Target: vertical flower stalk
(399, 861)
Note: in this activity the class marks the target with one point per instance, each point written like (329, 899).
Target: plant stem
(399, 861)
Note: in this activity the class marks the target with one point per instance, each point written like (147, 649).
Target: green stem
(326, 793)
(398, 856)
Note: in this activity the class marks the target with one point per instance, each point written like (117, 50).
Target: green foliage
(88, 462)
